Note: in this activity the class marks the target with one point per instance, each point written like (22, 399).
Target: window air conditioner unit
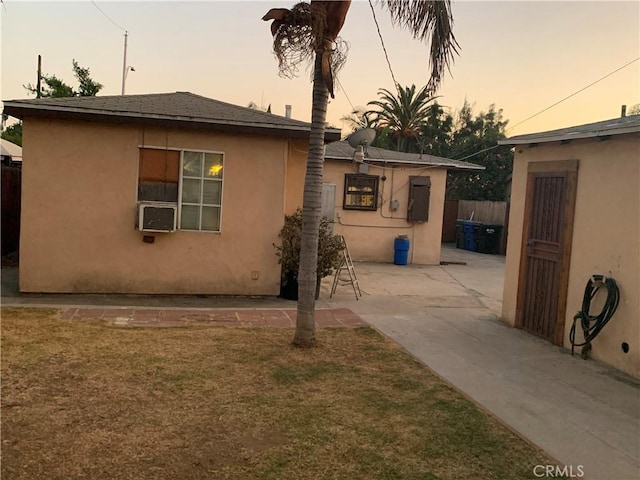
(157, 217)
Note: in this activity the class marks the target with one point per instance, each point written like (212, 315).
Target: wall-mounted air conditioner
(157, 216)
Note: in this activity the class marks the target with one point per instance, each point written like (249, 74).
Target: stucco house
(160, 193)
(178, 193)
(375, 198)
(575, 213)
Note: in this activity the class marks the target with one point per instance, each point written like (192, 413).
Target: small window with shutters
(419, 193)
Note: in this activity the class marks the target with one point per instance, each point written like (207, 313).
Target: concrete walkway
(581, 413)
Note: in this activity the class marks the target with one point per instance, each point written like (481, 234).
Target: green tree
(13, 133)
(310, 31)
(436, 132)
(55, 87)
(88, 86)
(403, 114)
(474, 138)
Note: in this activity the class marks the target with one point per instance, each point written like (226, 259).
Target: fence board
(493, 213)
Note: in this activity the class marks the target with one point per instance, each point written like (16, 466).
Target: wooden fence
(11, 190)
(493, 213)
(490, 213)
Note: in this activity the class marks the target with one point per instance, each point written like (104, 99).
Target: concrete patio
(582, 413)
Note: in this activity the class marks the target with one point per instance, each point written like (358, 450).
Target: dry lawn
(90, 400)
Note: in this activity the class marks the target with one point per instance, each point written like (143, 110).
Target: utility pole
(124, 62)
(39, 82)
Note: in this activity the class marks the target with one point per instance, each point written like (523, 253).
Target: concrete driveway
(582, 413)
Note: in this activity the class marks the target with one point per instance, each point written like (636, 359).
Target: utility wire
(478, 153)
(551, 106)
(470, 149)
(574, 93)
(107, 16)
(345, 94)
(373, 12)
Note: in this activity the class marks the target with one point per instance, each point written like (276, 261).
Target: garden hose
(592, 325)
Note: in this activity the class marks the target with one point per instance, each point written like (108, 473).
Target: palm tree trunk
(305, 335)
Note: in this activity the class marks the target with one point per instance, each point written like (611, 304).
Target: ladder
(346, 266)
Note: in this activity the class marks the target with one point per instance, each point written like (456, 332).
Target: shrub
(329, 246)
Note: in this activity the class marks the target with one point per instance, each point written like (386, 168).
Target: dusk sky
(520, 56)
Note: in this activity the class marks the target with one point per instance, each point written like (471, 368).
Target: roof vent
(287, 111)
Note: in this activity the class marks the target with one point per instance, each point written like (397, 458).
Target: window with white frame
(191, 179)
(201, 191)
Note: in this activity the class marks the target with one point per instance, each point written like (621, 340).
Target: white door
(329, 201)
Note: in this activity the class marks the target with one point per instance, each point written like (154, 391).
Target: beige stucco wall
(79, 205)
(370, 235)
(296, 169)
(606, 237)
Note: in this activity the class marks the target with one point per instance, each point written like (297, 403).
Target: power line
(107, 16)
(574, 93)
(345, 94)
(478, 153)
(373, 12)
(551, 106)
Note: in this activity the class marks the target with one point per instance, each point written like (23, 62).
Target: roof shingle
(615, 126)
(182, 108)
(343, 151)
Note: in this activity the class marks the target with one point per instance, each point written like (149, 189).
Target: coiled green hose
(592, 325)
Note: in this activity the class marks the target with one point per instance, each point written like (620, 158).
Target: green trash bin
(489, 238)
(459, 234)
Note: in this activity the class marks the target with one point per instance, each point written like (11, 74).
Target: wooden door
(546, 248)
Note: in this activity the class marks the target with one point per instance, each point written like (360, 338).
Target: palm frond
(402, 113)
(294, 37)
(428, 19)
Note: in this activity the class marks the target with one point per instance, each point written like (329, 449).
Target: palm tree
(309, 30)
(403, 114)
(358, 118)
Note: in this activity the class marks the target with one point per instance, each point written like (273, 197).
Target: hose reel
(592, 325)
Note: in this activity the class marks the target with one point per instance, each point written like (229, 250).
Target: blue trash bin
(470, 239)
(401, 250)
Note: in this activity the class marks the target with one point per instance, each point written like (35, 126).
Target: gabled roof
(616, 126)
(343, 151)
(179, 109)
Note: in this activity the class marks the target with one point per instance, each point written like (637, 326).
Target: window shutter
(419, 193)
(158, 174)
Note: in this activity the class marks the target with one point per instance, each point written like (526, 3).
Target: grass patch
(85, 399)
